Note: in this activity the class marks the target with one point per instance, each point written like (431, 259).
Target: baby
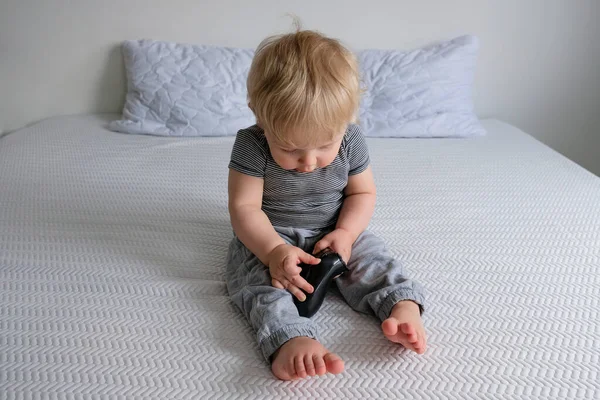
(300, 182)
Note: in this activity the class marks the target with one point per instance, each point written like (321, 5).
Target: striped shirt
(300, 200)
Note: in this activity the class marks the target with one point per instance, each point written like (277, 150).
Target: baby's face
(306, 158)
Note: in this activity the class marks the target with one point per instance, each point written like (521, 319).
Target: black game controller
(319, 276)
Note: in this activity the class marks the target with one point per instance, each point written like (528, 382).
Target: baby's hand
(285, 273)
(339, 240)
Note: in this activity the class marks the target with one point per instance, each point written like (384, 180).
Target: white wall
(539, 67)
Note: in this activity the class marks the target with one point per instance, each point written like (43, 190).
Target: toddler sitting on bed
(300, 182)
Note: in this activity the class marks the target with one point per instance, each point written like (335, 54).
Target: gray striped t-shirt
(301, 200)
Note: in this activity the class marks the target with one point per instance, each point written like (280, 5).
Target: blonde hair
(303, 81)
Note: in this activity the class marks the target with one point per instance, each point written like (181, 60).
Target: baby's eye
(289, 150)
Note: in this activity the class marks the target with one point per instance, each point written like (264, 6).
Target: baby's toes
(333, 363)
(410, 332)
(319, 364)
(309, 365)
(419, 346)
(390, 327)
(290, 372)
(423, 341)
(300, 368)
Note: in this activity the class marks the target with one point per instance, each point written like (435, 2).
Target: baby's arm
(359, 203)
(253, 228)
(249, 222)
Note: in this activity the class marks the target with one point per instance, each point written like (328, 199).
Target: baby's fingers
(302, 284)
(276, 283)
(308, 259)
(321, 244)
(293, 289)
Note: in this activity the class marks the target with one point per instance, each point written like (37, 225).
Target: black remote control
(319, 276)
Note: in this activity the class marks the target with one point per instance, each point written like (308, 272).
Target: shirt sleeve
(248, 155)
(356, 150)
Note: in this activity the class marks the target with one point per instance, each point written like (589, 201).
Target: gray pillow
(420, 93)
(185, 90)
(192, 90)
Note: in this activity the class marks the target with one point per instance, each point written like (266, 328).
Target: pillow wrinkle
(193, 90)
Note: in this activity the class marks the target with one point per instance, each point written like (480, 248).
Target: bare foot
(301, 357)
(405, 326)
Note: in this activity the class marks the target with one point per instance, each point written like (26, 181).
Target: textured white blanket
(111, 271)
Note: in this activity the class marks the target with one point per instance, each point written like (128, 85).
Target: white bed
(111, 271)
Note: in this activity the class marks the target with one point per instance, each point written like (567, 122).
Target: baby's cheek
(323, 162)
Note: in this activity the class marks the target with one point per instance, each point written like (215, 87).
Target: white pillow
(185, 90)
(192, 90)
(420, 93)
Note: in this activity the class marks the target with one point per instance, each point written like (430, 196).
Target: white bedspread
(111, 271)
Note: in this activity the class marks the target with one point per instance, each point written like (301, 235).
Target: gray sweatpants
(374, 284)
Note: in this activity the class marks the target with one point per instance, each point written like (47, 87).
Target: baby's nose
(308, 158)
(307, 168)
